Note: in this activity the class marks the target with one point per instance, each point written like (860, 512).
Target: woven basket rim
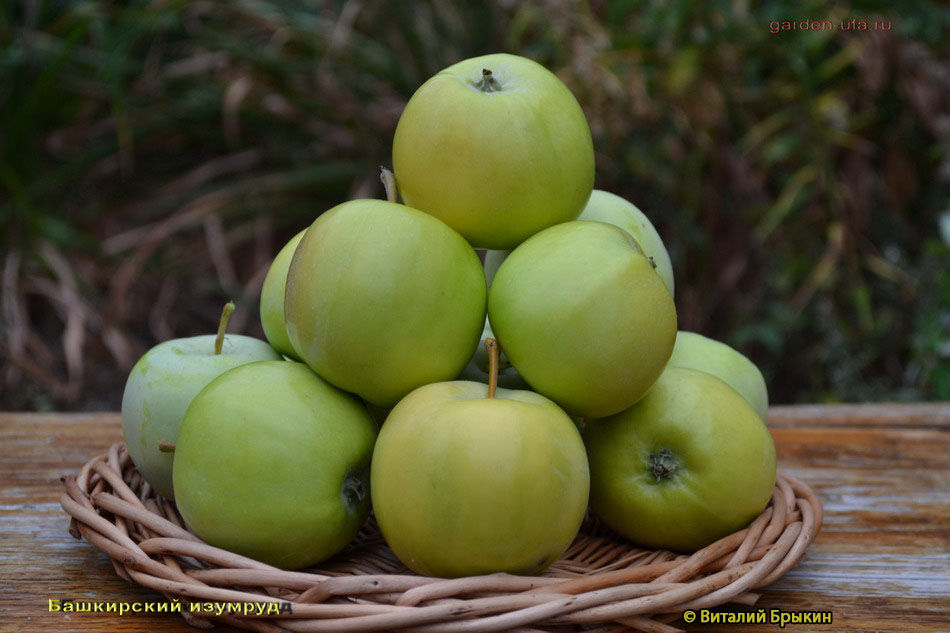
(602, 582)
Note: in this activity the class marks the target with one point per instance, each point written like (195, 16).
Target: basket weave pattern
(602, 583)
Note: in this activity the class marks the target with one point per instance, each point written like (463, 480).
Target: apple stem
(487, 82)
(389, 183)
(492, 346)
(223, 326)
(166, 447)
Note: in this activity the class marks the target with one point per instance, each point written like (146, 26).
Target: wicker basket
(602, 583)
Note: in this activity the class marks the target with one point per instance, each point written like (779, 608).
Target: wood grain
(881, 562)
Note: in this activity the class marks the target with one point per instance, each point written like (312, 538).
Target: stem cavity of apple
(662, 465)
(353, 491)
(488, 83)
(166, 447)
(223, 326)
(492, 346)
(389, 183)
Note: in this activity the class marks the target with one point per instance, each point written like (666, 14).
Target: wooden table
(881, 562)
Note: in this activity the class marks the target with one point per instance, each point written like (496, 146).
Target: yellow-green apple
(583, 317)
(696, 351)
(604, 206)
(497, 147)
(163, 383)
(272, 463)
(382, 298)
(466, 484)
(272, 299)
(688, 464)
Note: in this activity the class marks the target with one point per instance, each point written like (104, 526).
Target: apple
(688, 464)
(162, 384)
(477, 369)
(696, 351)
(272, 463)
(604, 206)
(583, 317)
(272, 299)
(382, 298)
(497, 147)
(467, 484)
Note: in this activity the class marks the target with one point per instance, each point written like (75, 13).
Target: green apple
(272, 463)
(464, 484)
(583, 317)
(497, 147)
(477, 369)
(696, 351)
(272, 299)
(160, 387)
(690, 463)
(607, 207)
(382, 298)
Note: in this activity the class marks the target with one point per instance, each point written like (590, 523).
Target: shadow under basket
(601, 583)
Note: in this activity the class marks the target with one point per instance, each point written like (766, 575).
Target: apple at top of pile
(497, 147)
(382, 298)
(163, 383)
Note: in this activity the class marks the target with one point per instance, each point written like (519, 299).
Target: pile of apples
(382, 384)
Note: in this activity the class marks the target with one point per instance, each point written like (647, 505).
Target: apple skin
(496, 166)
(273, 463)
(272, 299)
(583, 317)
(696, 351)
(163, 383)
(465, 485)
(722, 452)
(606, 207)
(382, 298)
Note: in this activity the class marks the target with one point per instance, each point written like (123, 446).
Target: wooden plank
(881, 562)
(922, 415)
(882, 559)
(39, 560)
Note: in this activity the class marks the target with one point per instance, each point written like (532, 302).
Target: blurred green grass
(156, 154)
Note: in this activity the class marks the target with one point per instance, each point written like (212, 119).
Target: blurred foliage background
(156, 154)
